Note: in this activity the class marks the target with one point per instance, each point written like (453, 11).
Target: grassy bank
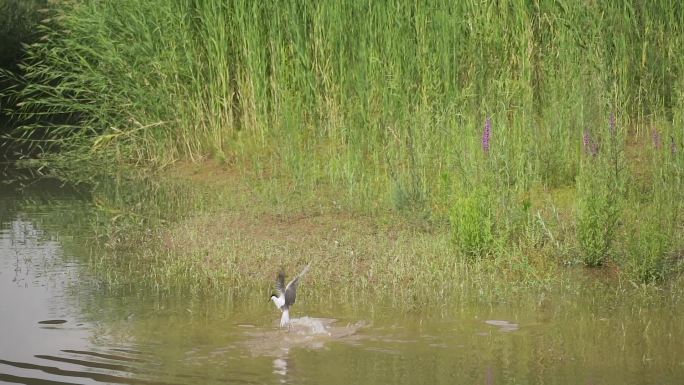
(523, 130)
(197, 234)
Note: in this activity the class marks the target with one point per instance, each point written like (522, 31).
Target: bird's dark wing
(291, 289)
(291, 292)
(280, 283)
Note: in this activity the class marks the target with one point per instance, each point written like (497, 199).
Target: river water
(59, 324)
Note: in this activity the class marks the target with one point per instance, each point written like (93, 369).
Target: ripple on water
(52, 322)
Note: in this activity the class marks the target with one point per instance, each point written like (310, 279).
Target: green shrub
(596, 220)
(600, 188)
(472, 222)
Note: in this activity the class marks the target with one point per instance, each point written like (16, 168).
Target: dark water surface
(60, 325)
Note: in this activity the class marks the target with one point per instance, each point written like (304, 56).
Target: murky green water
(60, 325)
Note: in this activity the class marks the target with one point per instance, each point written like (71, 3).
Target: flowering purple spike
(586, 139)
(590, 146)
(673, 145)
(486, 135)
(594, 148)
(612, 123)
(655, 135)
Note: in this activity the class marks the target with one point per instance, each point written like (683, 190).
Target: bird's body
(286, 295)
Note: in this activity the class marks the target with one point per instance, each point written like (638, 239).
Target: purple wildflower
(586, 139)
(612, 123)
(655, 135)
(486, 135)
(590, 147)
(673, 145)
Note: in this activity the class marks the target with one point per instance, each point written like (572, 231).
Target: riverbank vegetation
(204, 229)
(18, 26)
(531, 135)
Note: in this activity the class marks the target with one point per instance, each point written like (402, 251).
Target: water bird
(286, 295)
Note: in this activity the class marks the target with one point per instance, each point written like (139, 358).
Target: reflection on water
(43, 335)
(59, 325)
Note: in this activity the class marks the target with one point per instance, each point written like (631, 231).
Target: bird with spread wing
(285, 295)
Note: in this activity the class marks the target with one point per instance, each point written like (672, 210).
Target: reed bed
(521, 125)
